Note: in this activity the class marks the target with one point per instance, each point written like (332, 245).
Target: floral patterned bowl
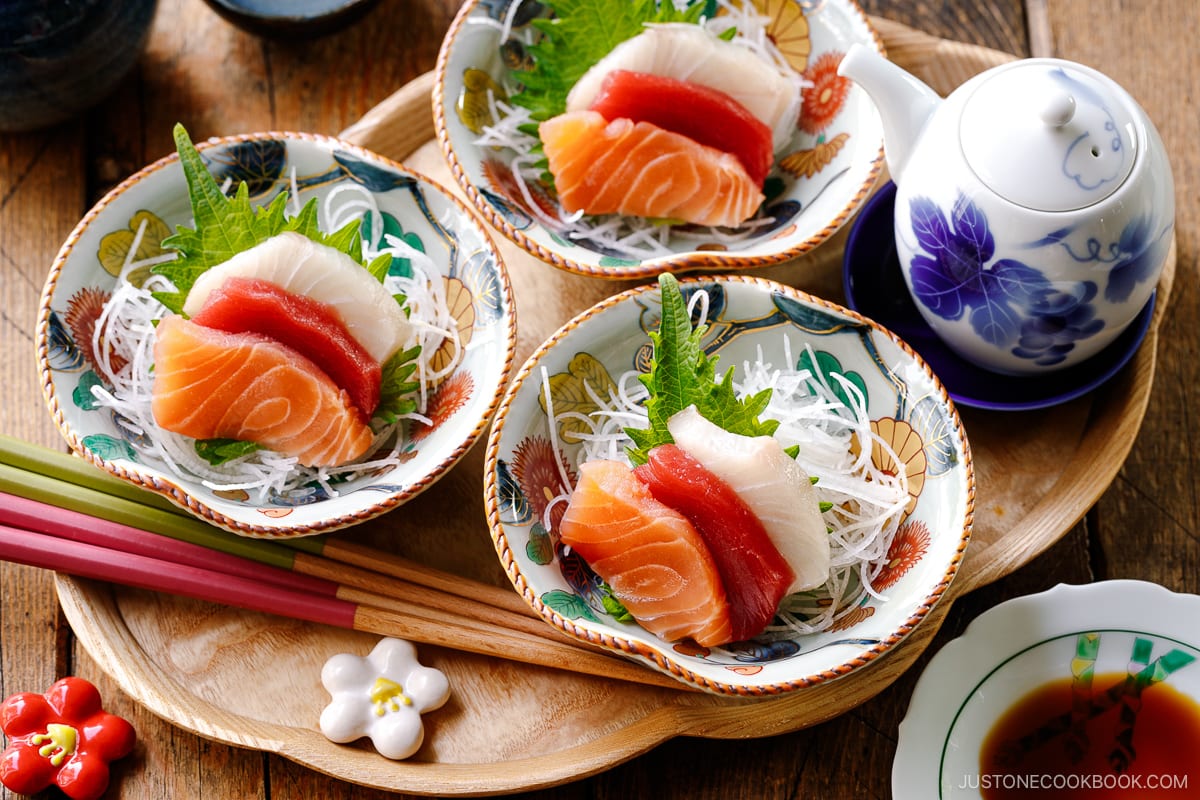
(527, 462)
(822, 177)
(83, 276)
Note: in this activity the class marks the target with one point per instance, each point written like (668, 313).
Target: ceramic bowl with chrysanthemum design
(127, 227)
(579, 373)
(819, 178)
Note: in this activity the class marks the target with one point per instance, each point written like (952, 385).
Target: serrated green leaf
(379, 268)
(396, 388)
(226, 226)
(581, 33)
(219, 451)
(348, 240)
(613, 606)
(682, 374)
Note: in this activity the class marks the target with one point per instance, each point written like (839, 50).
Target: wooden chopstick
(352, 583)
(130, 569)
(301, 553)
(32, 515)
(374, 582)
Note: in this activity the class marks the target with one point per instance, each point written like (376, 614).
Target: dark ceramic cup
(59, 57)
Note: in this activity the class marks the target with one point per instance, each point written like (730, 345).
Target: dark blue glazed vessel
(58, 57)
(291, 19)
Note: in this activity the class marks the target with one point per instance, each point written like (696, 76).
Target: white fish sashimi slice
(299, 265)
(691, 53)
(771, 484)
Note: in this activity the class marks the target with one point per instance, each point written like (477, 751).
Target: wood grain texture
(1148, 521)
(1038, 485)
(218, 80)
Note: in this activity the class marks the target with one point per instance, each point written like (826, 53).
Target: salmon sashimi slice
(311, 328)
(209, 384)
(640, 169)
(699, 112)
(755, 575)
(653, 558)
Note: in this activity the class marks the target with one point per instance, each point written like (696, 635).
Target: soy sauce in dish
(1111, 740)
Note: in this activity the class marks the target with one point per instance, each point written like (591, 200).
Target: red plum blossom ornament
(62, 738)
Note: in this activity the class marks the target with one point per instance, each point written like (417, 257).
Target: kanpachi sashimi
(771, 483)
(301, 266)
(694, 54)
(639, 169)
(651, 555)
(210, 384)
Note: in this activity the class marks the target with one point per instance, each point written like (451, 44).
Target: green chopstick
(63, 493)
(60, 479)
(37, 460)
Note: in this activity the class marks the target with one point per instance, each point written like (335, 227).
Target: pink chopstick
(32, 515)
(144, 572)
(96, 562)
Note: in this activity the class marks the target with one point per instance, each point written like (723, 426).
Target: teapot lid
(1049, 135)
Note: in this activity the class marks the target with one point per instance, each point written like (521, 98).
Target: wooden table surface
(219, 80)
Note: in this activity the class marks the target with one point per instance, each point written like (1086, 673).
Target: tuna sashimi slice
(639, 169)
(691, 53)
(771, 483)
(209, 384)
(755, 575)
(311, 328)
(651, 556)
(701, 113)
(299, 265)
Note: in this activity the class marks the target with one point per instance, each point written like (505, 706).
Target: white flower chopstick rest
(382, 697)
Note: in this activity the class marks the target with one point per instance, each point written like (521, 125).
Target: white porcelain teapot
(1034, 207)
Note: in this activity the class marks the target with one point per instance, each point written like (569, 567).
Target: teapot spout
(905, 103)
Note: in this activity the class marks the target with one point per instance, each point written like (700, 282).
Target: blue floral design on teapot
(1009, 303)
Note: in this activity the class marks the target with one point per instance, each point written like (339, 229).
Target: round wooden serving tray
(254, 680)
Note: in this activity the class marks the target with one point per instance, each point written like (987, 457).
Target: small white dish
(1021, 645)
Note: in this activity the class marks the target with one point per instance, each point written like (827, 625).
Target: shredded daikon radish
(632, 237)
(123, 342)
(866, 503)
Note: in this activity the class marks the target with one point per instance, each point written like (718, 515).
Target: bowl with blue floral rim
(126, 229)
(531, 463)
(820, 177)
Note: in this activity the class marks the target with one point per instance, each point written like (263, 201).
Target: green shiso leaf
(580, 33)
(682, 374)
(613, 606)
(226, 226)
(219, 451)
(397, 388)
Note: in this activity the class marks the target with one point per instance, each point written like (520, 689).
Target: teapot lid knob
(1058, 109)
(1049, 135)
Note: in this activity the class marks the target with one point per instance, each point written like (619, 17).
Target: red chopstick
(66, 553)
(62, 523)
(144, 572)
